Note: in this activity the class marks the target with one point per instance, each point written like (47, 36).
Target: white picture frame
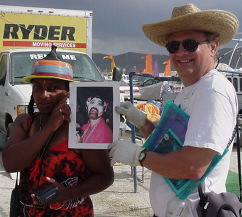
(90, 130)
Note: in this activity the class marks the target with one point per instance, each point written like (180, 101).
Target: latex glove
(125, 152)
(132, 114)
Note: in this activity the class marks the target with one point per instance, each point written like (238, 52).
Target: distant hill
(132, 61)
(128, 61)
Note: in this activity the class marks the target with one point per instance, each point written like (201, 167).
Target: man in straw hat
(192, 38)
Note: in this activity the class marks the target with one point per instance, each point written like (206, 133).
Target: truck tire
(3, 138)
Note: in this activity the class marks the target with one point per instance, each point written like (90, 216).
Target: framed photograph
(94, 123)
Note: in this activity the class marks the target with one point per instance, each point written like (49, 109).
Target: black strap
(42, 151)
(235, 131)
(238, 130)
(17, 180)
(200, 191)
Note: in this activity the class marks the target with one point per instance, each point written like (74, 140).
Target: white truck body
(27, 35)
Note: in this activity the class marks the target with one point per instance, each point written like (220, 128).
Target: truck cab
(17, 63)
(236, 80)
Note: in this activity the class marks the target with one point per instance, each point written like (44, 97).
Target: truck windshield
(83, 67)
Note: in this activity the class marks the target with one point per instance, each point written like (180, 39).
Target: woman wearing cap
(192, 38)
(38, 148)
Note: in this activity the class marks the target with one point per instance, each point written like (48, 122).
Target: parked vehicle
(150, 92)
(161, 90)
(125, 78)
(150, 81)
(236, 80)
(125, 91)
(232, 69)
(139, 80)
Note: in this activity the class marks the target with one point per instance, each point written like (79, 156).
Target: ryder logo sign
(20, 35)
(39, 32)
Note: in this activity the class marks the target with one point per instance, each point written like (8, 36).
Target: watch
(142, 156)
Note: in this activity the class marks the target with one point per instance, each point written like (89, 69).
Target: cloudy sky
(117, 23)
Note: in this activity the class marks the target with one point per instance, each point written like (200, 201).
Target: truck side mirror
(2, 80)
(117, 75)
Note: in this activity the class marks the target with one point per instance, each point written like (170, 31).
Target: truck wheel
(3, 138)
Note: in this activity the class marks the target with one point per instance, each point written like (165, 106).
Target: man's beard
(93, 114)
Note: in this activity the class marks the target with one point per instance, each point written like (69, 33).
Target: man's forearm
(147, 128)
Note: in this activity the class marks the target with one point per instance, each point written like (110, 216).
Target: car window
(83, 67)
(148, 82)
(3, 66)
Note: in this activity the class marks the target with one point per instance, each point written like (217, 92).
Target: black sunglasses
(190, 45)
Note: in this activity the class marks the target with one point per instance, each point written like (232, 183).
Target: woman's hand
(61, 196)
(60, 113)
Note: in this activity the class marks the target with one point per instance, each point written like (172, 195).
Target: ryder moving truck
(26, 35)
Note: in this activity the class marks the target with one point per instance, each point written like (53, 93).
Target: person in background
(38, 148)
(192, 38)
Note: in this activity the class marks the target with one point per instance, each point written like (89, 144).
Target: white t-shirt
(212, 106)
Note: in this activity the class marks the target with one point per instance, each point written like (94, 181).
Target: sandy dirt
(121, 199)
(125, 198)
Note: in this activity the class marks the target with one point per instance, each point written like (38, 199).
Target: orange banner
(148, 63)
(112, 61)
(167, 71)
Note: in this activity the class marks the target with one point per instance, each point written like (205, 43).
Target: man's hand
(132, 114)
(125, 152)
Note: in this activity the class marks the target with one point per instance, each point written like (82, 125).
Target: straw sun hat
(50, 67)
(190, 17)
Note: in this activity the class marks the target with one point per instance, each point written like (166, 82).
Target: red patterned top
(66, 167)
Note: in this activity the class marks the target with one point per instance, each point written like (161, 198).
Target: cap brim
(28, 79)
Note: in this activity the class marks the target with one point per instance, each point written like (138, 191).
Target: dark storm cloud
(117, 23)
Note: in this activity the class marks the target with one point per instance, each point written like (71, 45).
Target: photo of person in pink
(98, 127)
